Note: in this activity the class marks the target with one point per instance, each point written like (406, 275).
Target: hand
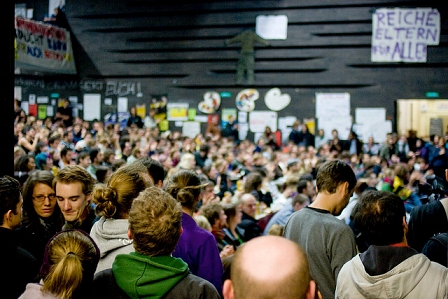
(226, 251)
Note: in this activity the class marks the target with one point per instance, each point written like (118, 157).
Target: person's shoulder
(192, 286)
(105, 286)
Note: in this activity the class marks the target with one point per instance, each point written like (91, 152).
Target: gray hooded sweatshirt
(111, 237)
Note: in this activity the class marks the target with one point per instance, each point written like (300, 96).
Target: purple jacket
(197, 247)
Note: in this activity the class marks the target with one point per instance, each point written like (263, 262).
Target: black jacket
(191, 286)
(18, 266)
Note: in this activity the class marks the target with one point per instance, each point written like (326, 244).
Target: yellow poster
(141, 110)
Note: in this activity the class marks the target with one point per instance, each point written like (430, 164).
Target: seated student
(18, 266)
(254, 263)
(389, 268)
(151, 271)
(248, 223)
(214, 212)
(71, 257)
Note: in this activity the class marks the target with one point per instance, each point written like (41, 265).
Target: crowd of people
(109, 212)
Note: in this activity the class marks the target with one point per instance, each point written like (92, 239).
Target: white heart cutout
(275, 100)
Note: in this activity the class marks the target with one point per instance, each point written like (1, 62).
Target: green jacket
(141, 276)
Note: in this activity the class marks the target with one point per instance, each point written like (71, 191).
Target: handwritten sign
(44, 46)
(404, 34)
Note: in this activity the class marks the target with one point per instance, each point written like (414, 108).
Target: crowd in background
(234, 190)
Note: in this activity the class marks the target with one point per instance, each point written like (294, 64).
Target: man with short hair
(328, 241)
(214, 212)
(18, 266)
(155, 170)
(73, 186)
(96, 158)
(84, 160)
(306, 188)
(389, 268)
(248, 222)
(270, 267)
(151, 271)
(66, 157)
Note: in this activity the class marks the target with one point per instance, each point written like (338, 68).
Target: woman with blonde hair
(113, 201)
(70, 260)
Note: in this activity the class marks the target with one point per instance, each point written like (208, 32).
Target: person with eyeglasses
(41, 217)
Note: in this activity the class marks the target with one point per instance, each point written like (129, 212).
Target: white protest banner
(402, 34)
(41, 45)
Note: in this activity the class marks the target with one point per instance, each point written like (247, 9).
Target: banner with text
(44, 46)
(402, 34)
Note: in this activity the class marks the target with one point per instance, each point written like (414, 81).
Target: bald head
(248, 204)
(255, 263)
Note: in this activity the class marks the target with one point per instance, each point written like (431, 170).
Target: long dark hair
(29, 215)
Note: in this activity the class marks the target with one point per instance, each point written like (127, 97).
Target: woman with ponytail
(70, 261)
(196, 246)
(113, 202)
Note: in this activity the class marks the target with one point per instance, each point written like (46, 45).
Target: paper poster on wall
(275, 100)
(311, 124)
(25, 106)
(191, 114)
(177, 111)
(108, 101)
(211, 102)
(42, 112)
(18, 93)
(368, 118)
(259, 120)
(369, 115)
(378, 130)
(242, 117)
(243, 128)
(201, 118)
(163, 125)
(245, 99)
(33, 109)
(122, 104)
(342, 124)
(330, 105)
(92, 102)
(42, 100)
(32, 99)
(285, 125)
(226, 114)
(50, 111)
(403, 34)
(272, 26)
(141, 110)
(73, 100)
(191, 128)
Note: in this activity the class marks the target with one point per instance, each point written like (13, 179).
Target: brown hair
(114, 199)
(75, 174)
(155, 222)
(185, 186)
(333, 173)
